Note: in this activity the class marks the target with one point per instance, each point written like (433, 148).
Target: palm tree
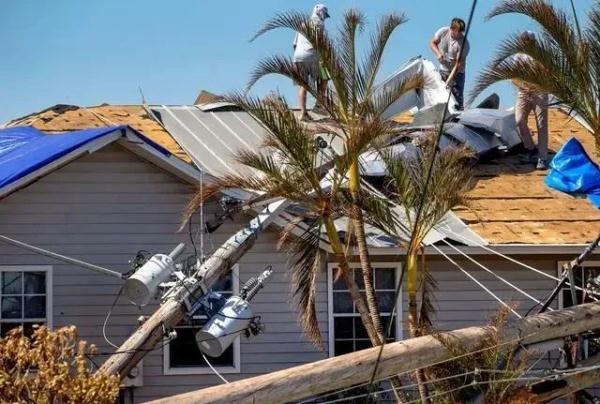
(450, 180)
(287, 168)
(354, 103)
(566, 61)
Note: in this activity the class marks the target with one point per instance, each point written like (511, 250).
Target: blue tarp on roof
(24, 149)
(574, 172)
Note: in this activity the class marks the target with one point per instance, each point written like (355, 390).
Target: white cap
(321, 11)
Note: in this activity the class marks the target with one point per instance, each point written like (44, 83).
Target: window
(590, 270)
(346, 331)
(182, 356)
(25, 297)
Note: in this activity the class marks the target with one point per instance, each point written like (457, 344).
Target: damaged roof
(66, 118)
(510, 202)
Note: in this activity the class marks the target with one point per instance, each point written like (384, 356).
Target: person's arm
(462, 56)
(457, 67)
(435, 41)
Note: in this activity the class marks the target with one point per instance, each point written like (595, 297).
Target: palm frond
(555, 22)
(378, 42)
(353, 24)
(306, 265)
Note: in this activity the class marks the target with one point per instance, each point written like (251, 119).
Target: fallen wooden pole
(172, 310)
(352, 369)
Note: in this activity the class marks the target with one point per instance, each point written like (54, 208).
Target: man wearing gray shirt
(451, 49)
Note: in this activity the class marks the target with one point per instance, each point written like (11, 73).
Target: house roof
(512, 205)
(64, 118)
(27, 154)
(212, 133)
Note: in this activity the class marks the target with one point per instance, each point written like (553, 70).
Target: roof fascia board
(169, 163)
(512, 249)
(67, 158)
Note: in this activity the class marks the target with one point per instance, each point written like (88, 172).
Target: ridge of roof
(67, 118)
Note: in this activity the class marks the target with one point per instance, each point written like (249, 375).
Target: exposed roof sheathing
(65, 118)
(511, 204)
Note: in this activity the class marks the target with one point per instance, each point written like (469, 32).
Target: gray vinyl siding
(105, 207)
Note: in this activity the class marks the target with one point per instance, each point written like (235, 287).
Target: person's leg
(541, 120)
(302, 100)
(301, 67)
(458, 90)
(522, 110)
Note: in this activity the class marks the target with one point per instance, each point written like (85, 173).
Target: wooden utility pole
(173, 310)
(404, 356)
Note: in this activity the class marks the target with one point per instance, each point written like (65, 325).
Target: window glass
(183, 350)
(23, 300)
(349, 334)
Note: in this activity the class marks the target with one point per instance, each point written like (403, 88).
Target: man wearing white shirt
(306, 58)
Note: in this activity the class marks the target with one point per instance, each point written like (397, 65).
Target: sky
(91, 52)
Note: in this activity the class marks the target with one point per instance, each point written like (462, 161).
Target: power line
(422, 199)
(502, 302)
(494, 274)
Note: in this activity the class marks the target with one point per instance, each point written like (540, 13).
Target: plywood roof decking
(511, 204)
(64, 118)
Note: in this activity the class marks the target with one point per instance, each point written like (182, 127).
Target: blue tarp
(574, 172)
(24, 149)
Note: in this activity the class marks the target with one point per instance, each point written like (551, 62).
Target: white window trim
(559, 270)
(330, 317)
(236, 368)
(49, 292)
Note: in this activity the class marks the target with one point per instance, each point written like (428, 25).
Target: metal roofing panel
(501, 122)
(212, 137)
(479, 140)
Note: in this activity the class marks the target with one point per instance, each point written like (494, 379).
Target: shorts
(312, 69)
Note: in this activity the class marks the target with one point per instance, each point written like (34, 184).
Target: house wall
(105, 207)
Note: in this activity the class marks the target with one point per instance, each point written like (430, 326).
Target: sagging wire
(215, 371)
(423, 196)
(481, 285)
(494, 274)
(114, 303)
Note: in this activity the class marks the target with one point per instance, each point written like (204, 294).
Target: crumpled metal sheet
(500, 122)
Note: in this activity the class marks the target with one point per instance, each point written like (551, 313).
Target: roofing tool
(233, 317)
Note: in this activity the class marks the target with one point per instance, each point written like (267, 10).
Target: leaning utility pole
(173, 309)
(352, 369)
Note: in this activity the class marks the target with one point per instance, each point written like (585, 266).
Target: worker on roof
(451, 49)
(306, 59)
(530, 99)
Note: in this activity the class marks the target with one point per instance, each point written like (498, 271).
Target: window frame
(48, 270)
(330, 315)
(236, 368)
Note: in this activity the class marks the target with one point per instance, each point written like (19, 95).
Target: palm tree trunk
(347, 276)
(363, 251)
(357, 298)
(413, 319)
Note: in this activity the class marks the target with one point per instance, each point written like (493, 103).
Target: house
(112, 201)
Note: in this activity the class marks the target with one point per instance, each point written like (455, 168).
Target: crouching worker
(451, 49)
(530, 99)
(306, 59)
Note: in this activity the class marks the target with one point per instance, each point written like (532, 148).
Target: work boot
(305, 117)
(529, 157)
(319, 110)
(541, 164)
